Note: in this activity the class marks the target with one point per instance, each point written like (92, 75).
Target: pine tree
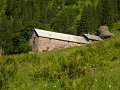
(82, 24)
(118, 5)
(89, 21)
(108, 13)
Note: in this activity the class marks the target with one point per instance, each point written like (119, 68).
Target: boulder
(104, 33)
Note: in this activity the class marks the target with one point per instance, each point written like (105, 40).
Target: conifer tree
(88, 22)
(118, 5)
(82, 25)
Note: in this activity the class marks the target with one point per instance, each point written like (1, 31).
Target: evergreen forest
(18, 18)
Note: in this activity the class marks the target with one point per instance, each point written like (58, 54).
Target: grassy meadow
(89, 67)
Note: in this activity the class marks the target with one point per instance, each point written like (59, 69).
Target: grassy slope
(90, 67)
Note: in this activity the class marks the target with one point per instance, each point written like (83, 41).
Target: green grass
(89, 67)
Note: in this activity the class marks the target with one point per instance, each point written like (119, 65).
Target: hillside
(94, 66)
(89, 67)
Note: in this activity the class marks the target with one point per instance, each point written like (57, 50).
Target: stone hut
(42, 40)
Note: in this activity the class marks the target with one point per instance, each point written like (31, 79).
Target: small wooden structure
(42, 40)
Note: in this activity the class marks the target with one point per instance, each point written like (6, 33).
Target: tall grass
(90, 67)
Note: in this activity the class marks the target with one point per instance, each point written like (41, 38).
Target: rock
(104, 33)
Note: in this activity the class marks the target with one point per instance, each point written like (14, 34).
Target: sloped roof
(92, 37)
(60, 36)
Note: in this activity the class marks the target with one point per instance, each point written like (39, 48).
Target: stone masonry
(41, 44)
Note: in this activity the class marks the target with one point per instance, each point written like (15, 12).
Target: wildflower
(95, 79)
(58, 7)
(54, 86)
(28, 84)
(109, 86)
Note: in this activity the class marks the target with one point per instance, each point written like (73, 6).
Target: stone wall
(1, 51)
(46, 44)
(34, 44)
(40, 44)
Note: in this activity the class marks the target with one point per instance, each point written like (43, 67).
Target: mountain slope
(90, 67)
